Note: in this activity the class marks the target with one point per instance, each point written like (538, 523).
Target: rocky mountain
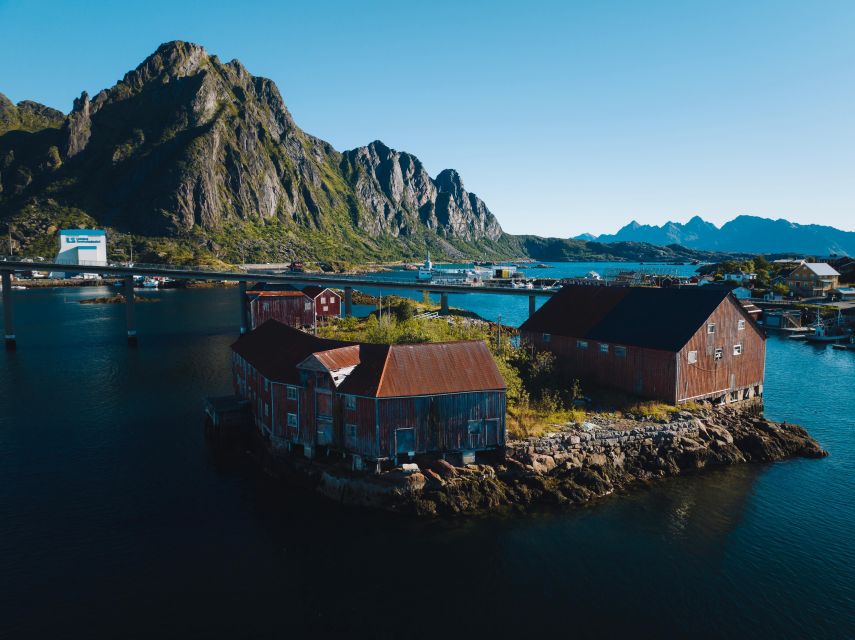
(190, 154)
(27, 116)
(746, 234)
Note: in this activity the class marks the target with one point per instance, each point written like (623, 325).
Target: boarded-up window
(405, 440)
(692, 357)
(474, 426)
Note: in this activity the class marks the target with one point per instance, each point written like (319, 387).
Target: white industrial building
(81, 247)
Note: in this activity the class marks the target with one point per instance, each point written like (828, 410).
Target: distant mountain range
(743, 234)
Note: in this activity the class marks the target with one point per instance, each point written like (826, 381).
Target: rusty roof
(275, 294)
(340, 358)
(275, 350)
(381, 370)
(663, 319)
(433, 368)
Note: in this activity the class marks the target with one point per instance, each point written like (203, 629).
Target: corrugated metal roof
(821, 268)
(341, 358)
(648, 317)
(276, 294)
(381, 370)
(276, 349)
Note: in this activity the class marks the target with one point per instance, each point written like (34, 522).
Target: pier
(14, 264)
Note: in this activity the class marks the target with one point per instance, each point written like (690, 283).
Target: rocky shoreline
(573, 466)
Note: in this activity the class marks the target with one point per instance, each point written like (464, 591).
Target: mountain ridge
(190, 159)
(745, 233)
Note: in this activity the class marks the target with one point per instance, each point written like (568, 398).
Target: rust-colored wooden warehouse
(374, 402)
(283, 304)
(672, 345)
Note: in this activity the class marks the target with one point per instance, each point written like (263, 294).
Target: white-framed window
(740, 325)
(692, 357)
(292, 419)
(323, 299)
(737, 349)
(326, 307)
(350, 402)
(547, 337)
(266, 385)
(291, 392)
(711, 327)
(604, 348)
(718, 353)
(309, 306)
(581, 344)
(620, 352)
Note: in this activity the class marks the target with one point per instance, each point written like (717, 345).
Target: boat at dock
(826, 332)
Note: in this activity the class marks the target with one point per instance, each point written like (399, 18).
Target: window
(350, 402)
(266, 384)
(718, 353)
(547, 337)
(692, 357)
(620, 352)
(323, 299)
(350, 430)
(266, 306)
(737, 349)
(291, 392)
(308, 306)
(711, 327)
(604, 348)
(581, 344)
(326, 307)
(474, 426)
(266, 410)
(741, 325)
(292, 419)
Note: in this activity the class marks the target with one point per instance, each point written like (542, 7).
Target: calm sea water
(117, 521)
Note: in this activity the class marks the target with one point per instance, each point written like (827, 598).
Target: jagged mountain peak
(187, 145)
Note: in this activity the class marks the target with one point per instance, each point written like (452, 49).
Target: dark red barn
(283, 304)
(673, 345)
(374, 402)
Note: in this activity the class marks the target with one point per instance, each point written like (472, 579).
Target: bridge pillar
(348, 302)
(532, 305)
(8, 326)
(130, 310)
(244, 307)
(443, 303)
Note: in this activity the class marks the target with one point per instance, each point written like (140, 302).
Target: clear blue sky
(564, 117)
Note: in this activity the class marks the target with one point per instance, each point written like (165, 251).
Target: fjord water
(116, 519)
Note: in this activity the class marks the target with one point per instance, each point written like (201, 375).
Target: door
(405, 441)
(492, 427)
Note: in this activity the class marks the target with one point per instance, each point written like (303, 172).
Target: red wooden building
(374, 402)
(672, 345)
(327, 302)
(283, 304)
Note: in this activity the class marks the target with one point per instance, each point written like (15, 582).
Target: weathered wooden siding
(441, 423)
(647, 373)
(295, 311)
(710, 377)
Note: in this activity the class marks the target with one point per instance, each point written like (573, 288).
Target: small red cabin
(327, 302)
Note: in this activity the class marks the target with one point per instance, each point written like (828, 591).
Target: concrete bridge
(10, 265)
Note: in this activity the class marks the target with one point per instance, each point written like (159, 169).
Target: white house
(81, 247)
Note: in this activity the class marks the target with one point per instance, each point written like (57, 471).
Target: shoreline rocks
(573, 466)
